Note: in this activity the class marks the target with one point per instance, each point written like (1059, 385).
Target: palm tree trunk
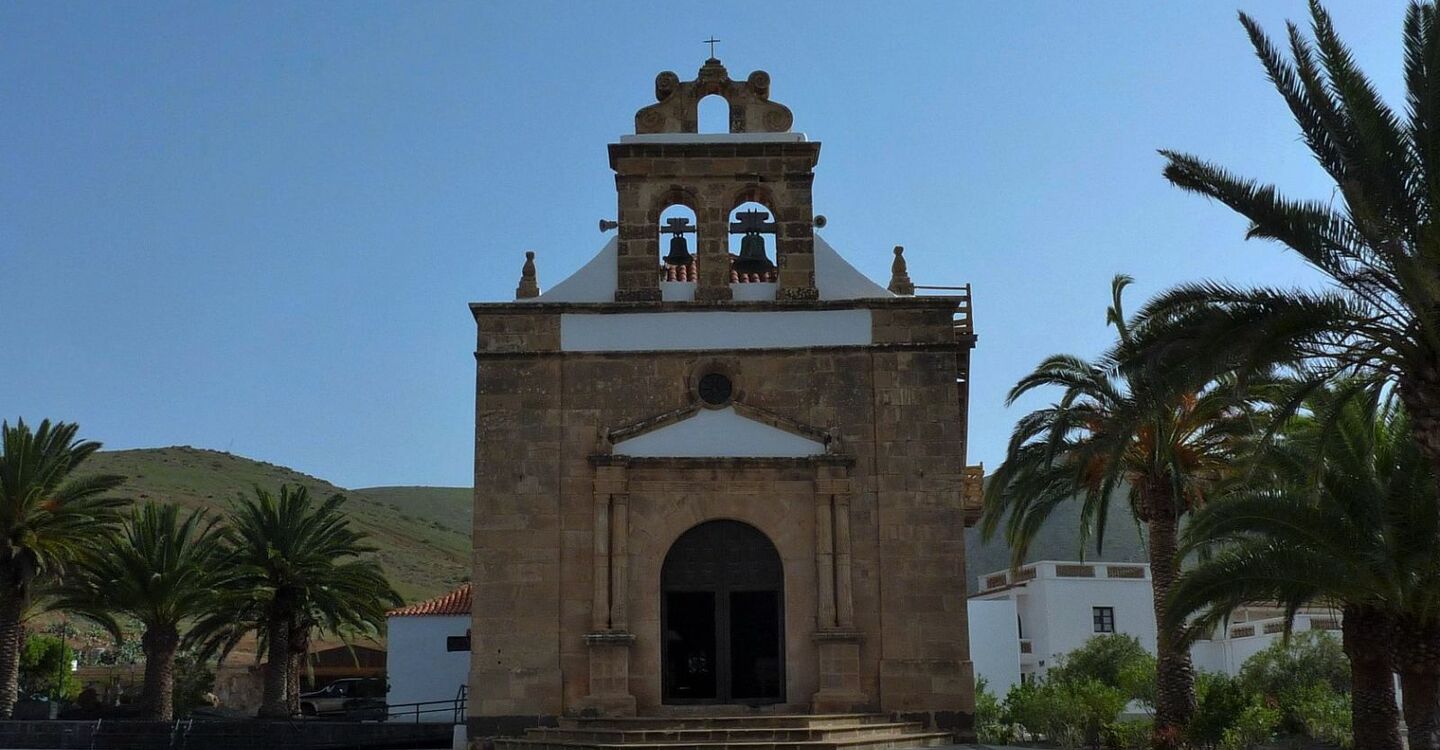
(1174, 674)
(292, 684)
(1421, 691)
(1415, 652)
(1420, 393)
(277, 670)
(158, 696)
(299, 651)
(12, 634)
(1374, 717)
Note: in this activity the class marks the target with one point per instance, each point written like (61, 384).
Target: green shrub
(1128, 735)
(990, 726)
(1117, 661)
(1323, 714)
(45, 669)
(1310, 657)
(1287, 673)
(194, 679)
(1253, 727)
(1068, 711)
(1218, 704)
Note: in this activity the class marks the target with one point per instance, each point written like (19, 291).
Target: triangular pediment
(719, 433)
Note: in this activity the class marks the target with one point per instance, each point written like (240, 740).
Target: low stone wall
(220, 735)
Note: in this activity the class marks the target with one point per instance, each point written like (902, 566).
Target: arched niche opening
(713, 114)
(752, 230)
(722, 614)
(678, 243)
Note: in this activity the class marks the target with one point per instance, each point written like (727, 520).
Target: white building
(1253, 629)
(994, 643)
(1060, 605)
(429, 653)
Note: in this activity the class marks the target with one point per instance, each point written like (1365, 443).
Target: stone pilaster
(609, 641)
(837, 641)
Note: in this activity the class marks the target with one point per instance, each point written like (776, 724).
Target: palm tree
(1377, 239)
(296, 566)
(351, 604)
(1343, 514)
(49, 518)
(1113, 428)
(160, 570)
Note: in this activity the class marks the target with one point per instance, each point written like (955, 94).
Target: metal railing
(964, 314)
(455, 707)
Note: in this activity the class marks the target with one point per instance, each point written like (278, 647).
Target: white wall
(713, 329)
(1056, 617)
(1059, 616)
(1056, 612)
(722, 433)
(417, 664)
(994, 643)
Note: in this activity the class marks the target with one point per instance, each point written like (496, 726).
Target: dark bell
(752, 255)
(679, 252)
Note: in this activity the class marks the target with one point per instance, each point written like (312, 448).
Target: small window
(715, 389)
(1104, 619)
(458, 642)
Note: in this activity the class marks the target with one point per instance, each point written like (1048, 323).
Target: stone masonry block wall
(712, 179)
(893, 407)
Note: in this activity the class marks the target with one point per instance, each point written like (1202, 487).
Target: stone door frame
(836, 638)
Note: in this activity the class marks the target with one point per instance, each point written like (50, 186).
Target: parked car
(347, 696)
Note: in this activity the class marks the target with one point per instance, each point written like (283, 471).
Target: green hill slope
(423, 533)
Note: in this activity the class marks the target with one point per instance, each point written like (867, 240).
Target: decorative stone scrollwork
(677, 103)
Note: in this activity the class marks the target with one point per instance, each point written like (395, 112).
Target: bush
(1287, 675)
(194, 680)
(45, 669)
(1253, 727)
(1219, 702)
(1308, 658)
(1069, 711)
(990, 726)
(1117, 661)
(1322, 714)
(1129, 735)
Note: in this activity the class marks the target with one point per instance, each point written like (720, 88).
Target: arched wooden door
(722, 617)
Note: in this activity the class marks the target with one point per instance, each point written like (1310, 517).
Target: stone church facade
(709, 483)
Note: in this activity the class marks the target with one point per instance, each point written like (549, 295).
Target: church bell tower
(666, 163)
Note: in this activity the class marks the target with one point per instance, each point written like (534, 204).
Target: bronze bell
(679, 252)
(752, 255)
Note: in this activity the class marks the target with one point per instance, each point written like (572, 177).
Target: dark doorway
(722, 617)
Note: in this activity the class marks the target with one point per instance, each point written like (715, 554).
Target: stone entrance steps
(752, 732)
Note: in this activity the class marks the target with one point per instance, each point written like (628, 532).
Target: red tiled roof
(456, 602)
(679, 273)
(687, 273)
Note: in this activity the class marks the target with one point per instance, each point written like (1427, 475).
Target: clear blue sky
(255, 227)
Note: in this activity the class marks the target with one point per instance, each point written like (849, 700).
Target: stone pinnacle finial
(529, 287)
(900, 282)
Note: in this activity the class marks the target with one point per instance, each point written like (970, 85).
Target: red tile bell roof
(687, 273)
(456, 602)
